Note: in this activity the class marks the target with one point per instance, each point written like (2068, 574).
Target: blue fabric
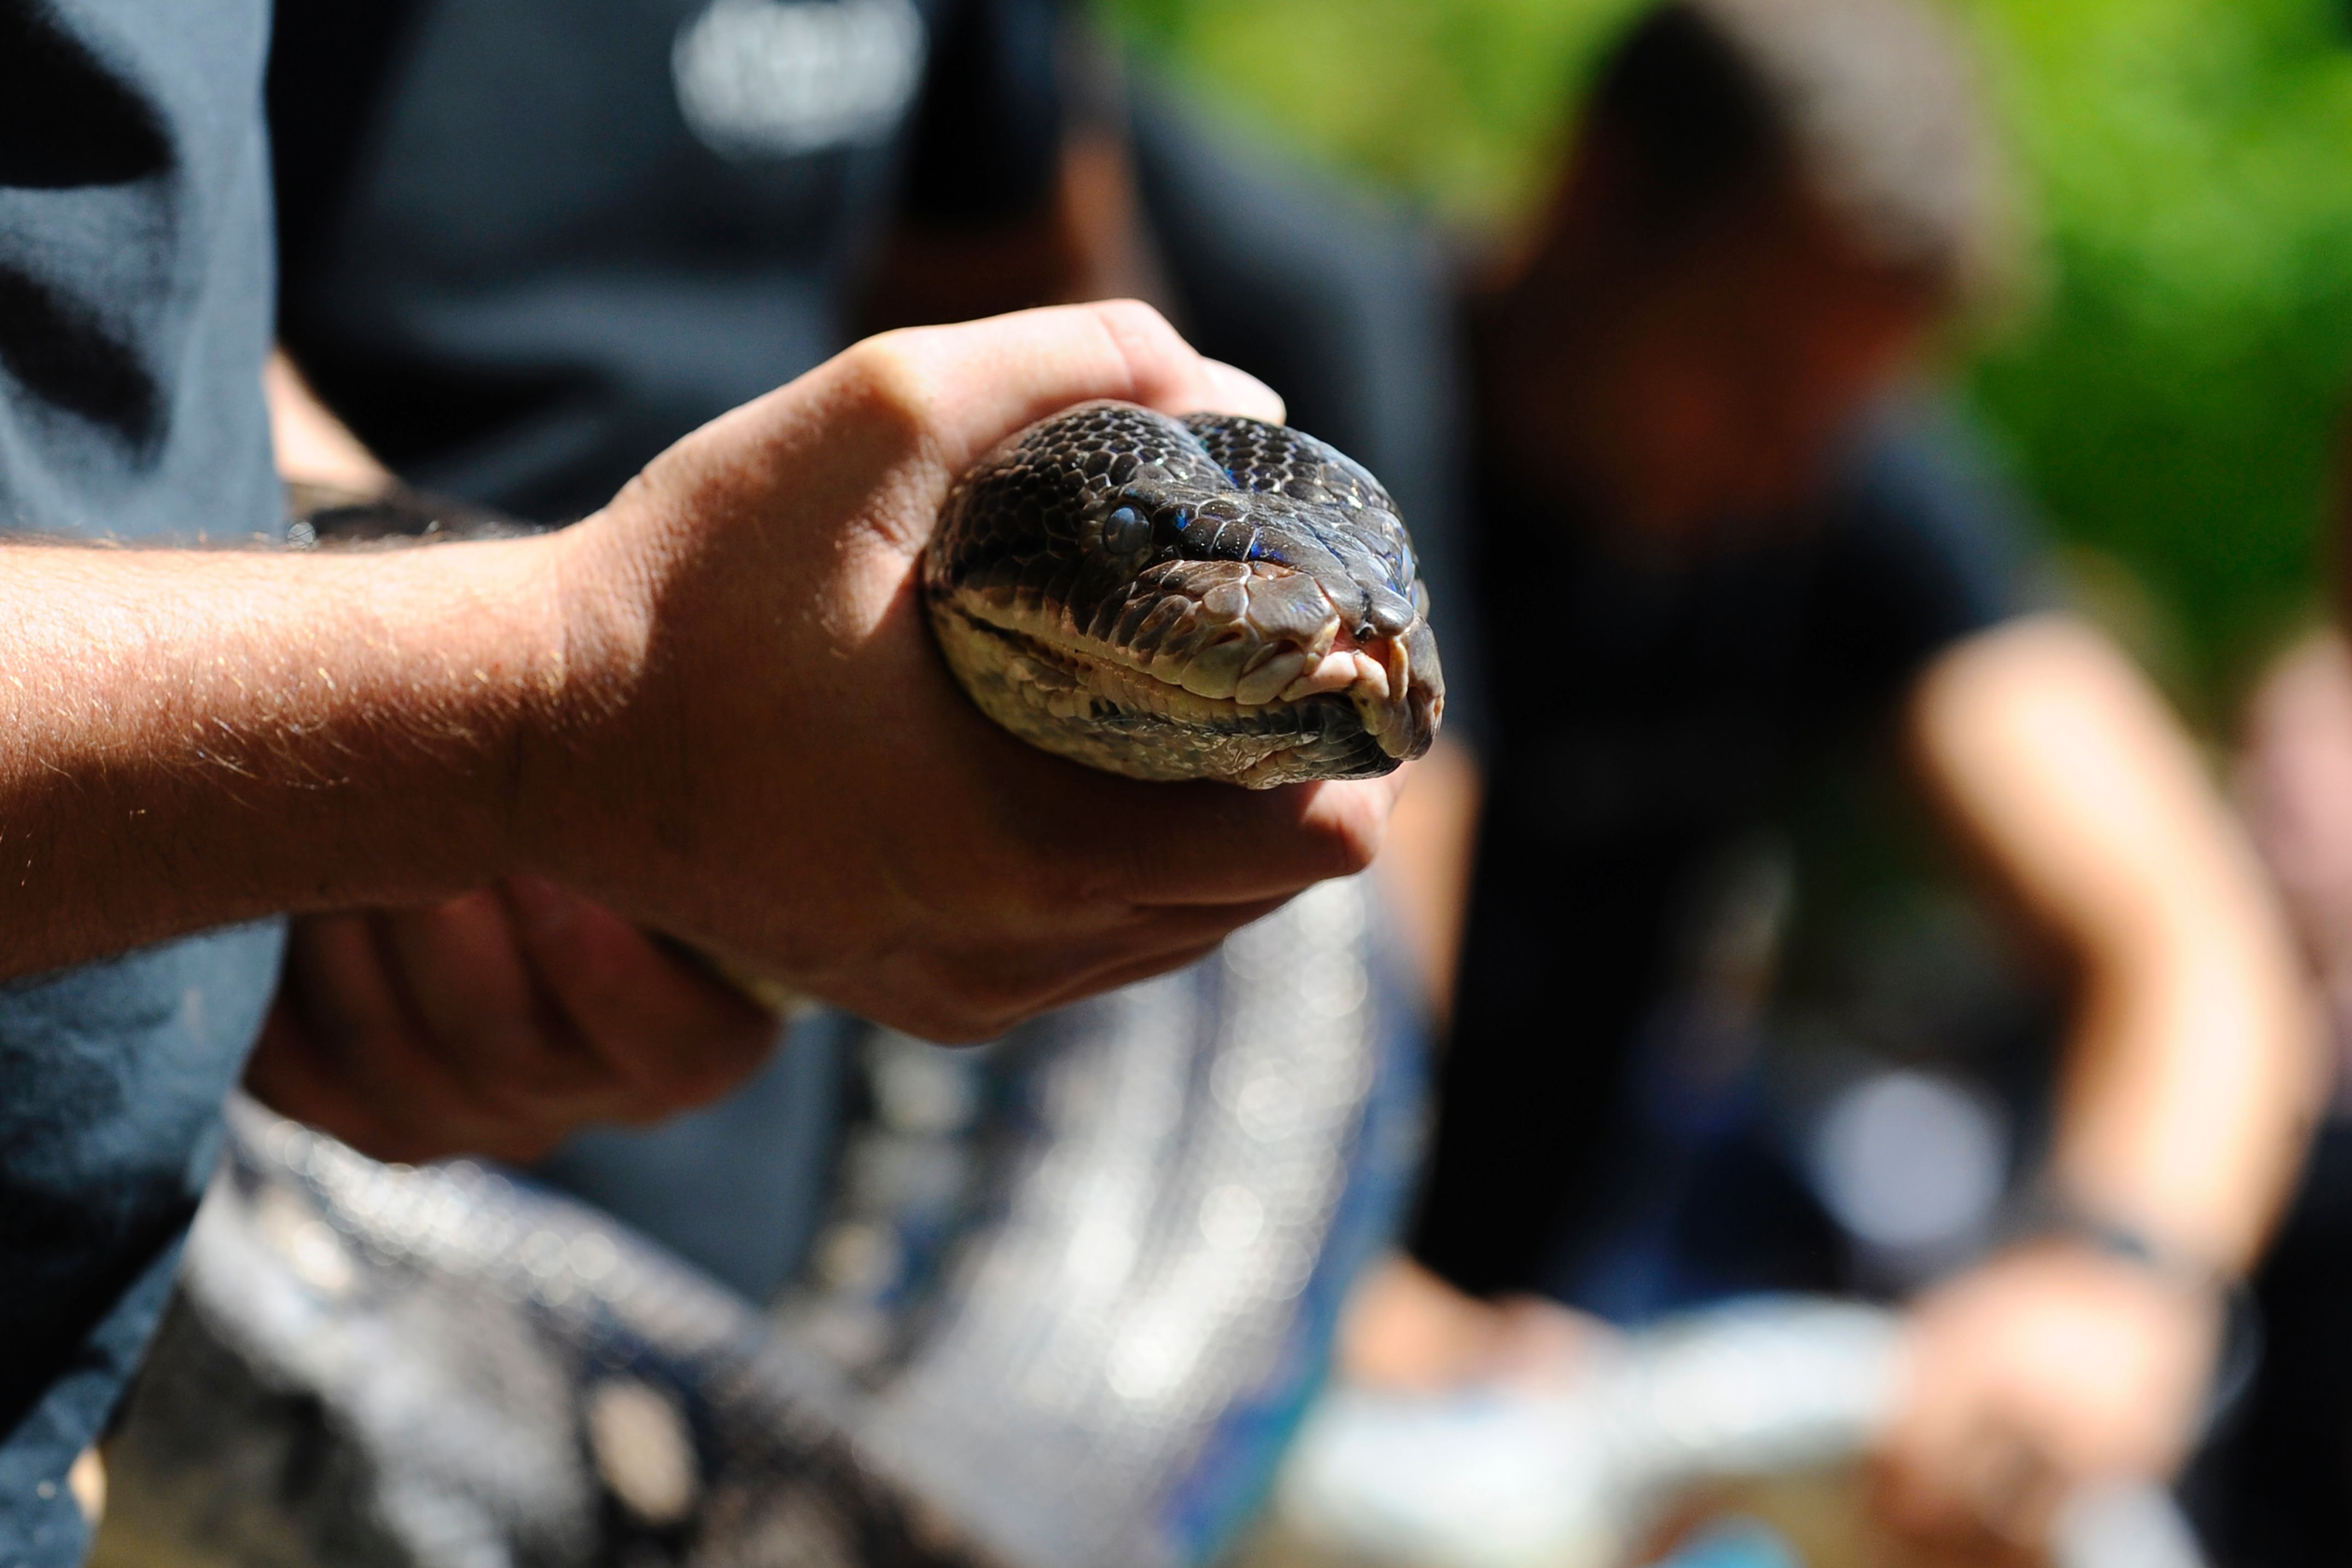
(518, 268)
(109, 1131)
(135, 309)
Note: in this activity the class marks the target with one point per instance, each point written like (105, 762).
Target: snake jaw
(1400, 713)
(1199, 681)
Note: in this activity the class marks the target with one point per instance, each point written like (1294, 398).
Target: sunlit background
(2173, 385)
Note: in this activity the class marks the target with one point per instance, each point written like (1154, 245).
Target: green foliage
(1458, 102)
(2173, 398)
(2175, 401)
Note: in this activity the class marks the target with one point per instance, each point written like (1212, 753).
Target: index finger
(1168, 845)
(976, 383)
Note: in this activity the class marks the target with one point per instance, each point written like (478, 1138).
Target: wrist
(564, 628)
(2053, 1217)
(575, 768)
(446, 662)
(2222, 1294)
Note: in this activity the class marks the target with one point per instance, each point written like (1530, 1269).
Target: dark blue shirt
(1647, 714)
(135, 313)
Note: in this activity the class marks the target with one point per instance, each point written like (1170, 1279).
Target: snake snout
(1400, 692)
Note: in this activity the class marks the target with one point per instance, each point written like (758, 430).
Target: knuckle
(887, 380)
(1149, 347)
(1136, 325)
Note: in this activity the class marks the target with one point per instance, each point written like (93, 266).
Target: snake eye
(1124, 531)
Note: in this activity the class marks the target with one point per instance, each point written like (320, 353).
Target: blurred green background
(2173, 392)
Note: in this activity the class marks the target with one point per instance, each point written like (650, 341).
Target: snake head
(1216, 597)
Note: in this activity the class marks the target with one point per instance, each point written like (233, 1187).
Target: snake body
(1211, 597)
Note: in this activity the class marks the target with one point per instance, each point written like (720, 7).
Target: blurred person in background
(1712, 542)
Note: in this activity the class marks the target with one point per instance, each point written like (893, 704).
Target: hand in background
(497, 1023)
(1408, 1331)
(2052, 1365)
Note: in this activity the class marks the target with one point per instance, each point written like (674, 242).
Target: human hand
(2053, 1365)
(774, 763)
(1408, 1331)
(494, 1023)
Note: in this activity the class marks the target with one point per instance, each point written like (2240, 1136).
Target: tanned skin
(710, 711)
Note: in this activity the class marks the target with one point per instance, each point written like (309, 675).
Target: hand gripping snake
(1212, 597)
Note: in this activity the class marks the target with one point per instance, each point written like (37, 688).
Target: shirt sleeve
(1926, 543)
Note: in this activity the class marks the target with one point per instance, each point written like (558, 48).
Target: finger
(1923, 1452)
(1238, 392)
(1205, 844)
(1135, 972)
(361, 1032)
(459, 966)
(287, 1074)
(297, 1073)
(677, 1035)
(946, 1016)
(1148, 941)
(2013, 1489)
(974, 384)
(1958, 1473)
(992, 991)
(336, 980)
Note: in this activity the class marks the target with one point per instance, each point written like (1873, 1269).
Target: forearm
(312, 444)
(2193, 1076)
(197, 737)
(2192, 1073)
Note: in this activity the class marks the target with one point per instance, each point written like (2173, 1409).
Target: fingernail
(1242, 392)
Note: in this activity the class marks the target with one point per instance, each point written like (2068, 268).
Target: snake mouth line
(1231, 681)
